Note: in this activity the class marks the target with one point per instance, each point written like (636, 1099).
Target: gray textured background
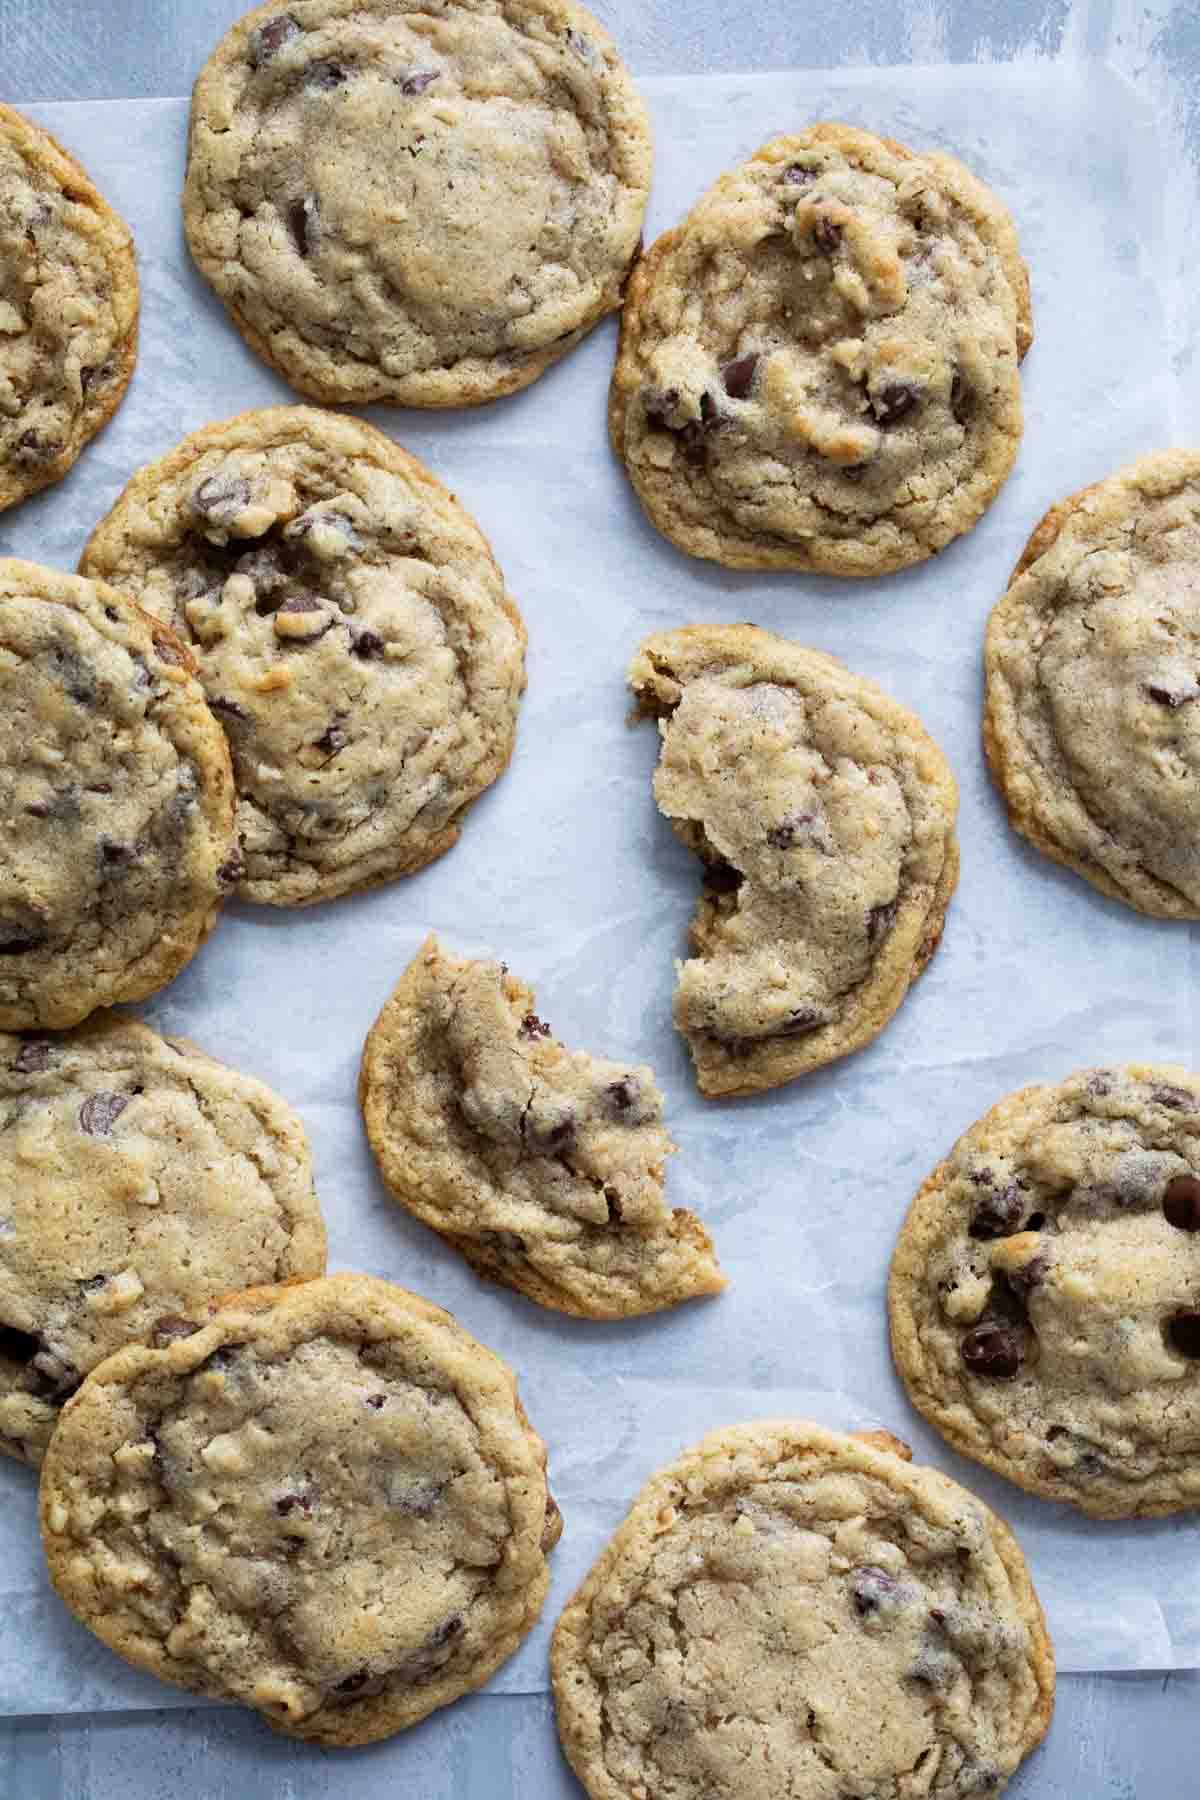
(1114, 1737)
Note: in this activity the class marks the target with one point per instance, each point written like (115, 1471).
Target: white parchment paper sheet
(566, 870)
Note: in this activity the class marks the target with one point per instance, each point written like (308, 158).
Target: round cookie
(68, 309)
(139, 1178)
(824, 816)
(117, 799)
(326, 1502)
(1092, 662)
(1045, 1291)
(353, 635)
(818, 368)
(788, 1613)
(542, 1166)
(425, 202)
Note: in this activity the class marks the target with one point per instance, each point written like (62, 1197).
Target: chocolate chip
(1181, 1203)
(232, 869)
(532, 1027)
(418, 81)
(894, 402)
(738, 376)
(334, 739)
(170, 1328)
(620, 1097)
(228, 709)
(55, 1377)
(375, 1401)
(549, 1137)
(366, 644)
(304, 222)
(302, 620)
(503, 1243)
(415, 1499)
(222, 1359)
(326, 75)
(444, 1633)
(33, 448)
(993, 1350)
(880, 920)
(827, 234)
(659, 405)
(1177, 697)
(1099, 1084)
(32, 1057)
(100, 1112)
(352, 1683)
(708, 409)
(998, 1214)
(221, 498)
(115, 856)
(289, 1502)
(1030, 1275)
(93, 1283)
(332, 520)
(961, 397)
(871, 1588)
(1183, 1332)
(803, 1019)
(1176, 1099)
(798, 176)
(96, 372)
(1034, 1222)
(270, 39)
(613, 1202)
(18, 1346)
(16, 939)
(783, 836)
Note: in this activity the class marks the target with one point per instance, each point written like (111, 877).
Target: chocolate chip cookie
(323, 1501)
(542, 1166)
(425, 202)
(117, 800)
(1093, 673)
(68, 309)
(818, 368)
(1045, 1291)
(788, 1613)
(353, 635)
(824, 817)
(138, 1178)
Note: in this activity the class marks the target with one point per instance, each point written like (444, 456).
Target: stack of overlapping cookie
(288, 667)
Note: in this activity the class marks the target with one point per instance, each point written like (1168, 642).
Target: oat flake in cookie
(788, 1613)
(1092, 726)
(1045, 1291)
(116, 796)
(818, 368)
(542, 1166)
(824, 817)
(425, 202)
(325, 1502)
(68, 309)
(139, 1178)
(353, 635)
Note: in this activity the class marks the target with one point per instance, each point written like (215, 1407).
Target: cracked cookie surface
(323, 1501)
(138, 1178)
(425, 202)
(824, 816)
(1045, 1291)
(788, 1613)
(68, 309)
(117, 800)
(818, 368)
(1092, 726)
(542, 1166)
(353, 635)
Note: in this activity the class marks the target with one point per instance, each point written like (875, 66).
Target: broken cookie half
(824, 816)
(542, 1165)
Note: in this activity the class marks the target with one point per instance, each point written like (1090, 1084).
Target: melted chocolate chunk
(1181, 1203)
(170, 1328)
(620, 1097)
(992, 1349)
(1173, 698)
(417, 82)
(871, 1588)
(114, 856)
(323, 77)
(366, 644)
(270, 39)
(221, 498)
(894, 402)
(1183, 1332)
(998, 1214)
(375, 1401)
(827, 235)
(100, 1112)
(738, 377)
